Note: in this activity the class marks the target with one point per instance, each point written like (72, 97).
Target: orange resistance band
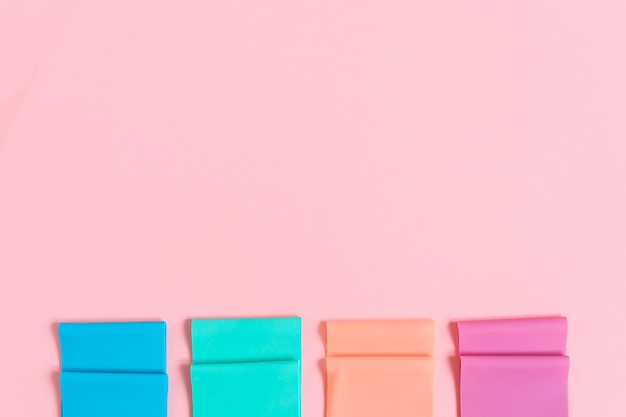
(380, 368)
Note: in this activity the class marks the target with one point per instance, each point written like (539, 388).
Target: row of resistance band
(253, 367)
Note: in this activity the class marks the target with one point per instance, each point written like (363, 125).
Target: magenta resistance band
(514, 368)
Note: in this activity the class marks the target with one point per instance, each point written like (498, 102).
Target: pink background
(332, 159)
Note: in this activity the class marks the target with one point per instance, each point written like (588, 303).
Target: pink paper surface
(329, 159)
